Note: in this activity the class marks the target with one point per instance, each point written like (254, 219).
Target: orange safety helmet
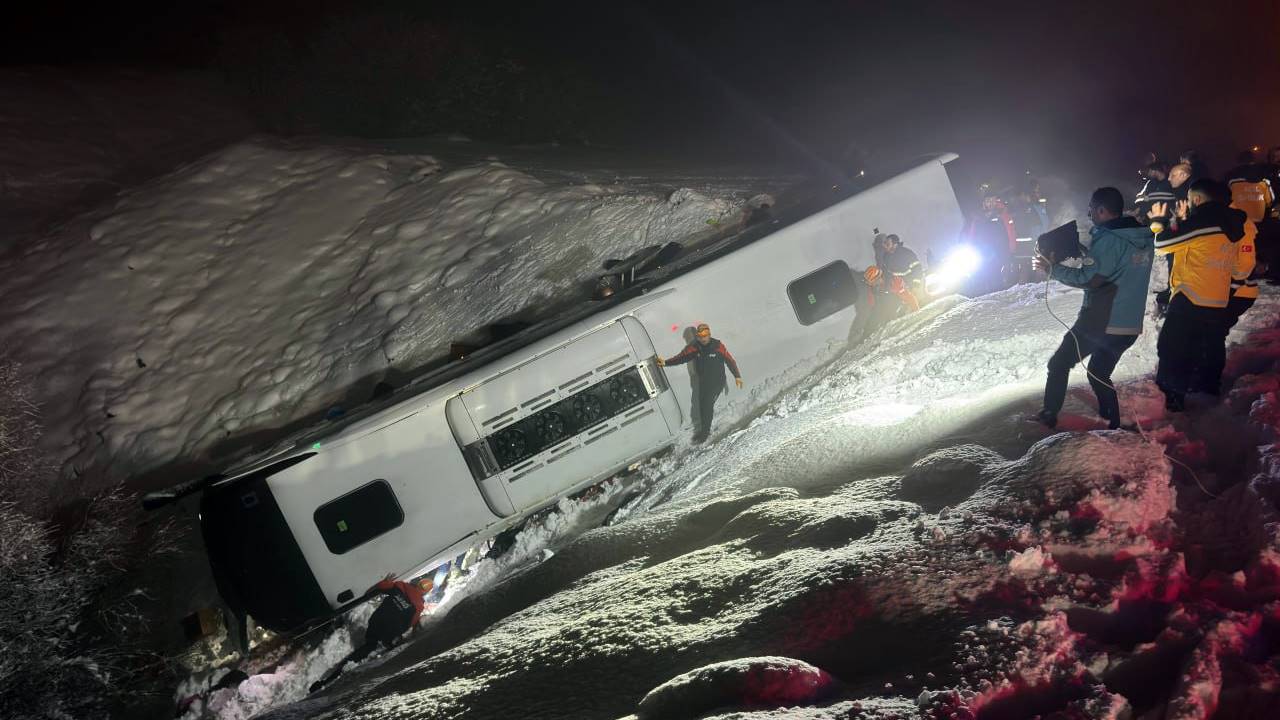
(873, 275)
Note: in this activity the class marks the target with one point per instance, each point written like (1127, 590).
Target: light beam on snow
(881, 415)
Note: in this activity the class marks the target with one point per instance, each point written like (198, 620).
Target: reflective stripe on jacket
(1203, 248)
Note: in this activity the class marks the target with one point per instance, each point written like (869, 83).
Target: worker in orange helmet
(881, 299)
(710, 357)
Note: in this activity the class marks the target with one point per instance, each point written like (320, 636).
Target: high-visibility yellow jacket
(1204, 253)
(1242, 285)
(1251, 191)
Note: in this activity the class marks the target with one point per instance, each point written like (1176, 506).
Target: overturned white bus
(477, 446)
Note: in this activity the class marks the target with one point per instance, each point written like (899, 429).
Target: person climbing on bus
(710, 357)
(398, 613)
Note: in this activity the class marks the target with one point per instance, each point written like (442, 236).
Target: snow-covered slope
(863, 549)
(269, 281)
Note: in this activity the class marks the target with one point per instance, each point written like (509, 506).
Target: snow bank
(270, 281)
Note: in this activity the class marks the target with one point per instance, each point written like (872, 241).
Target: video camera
(1061, 242)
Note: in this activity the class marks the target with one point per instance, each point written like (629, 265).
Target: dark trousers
(387, 623)
(1237, 307)
(1268, 242)
(1186, 338)
(1208, 375)
(1104, 352)
(708, 393)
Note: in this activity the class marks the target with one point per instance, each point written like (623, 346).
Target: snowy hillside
(889, 539)
(268, 282)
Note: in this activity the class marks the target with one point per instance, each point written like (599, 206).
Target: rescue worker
(398, 613)
(1155, 189)
(1250, 187)
(1202, 243)
(873, 305)
(1114, 274)
(1244, 291)
(1252, 191)
(710, 357)
(1179, 181)
(991, 232)
(905, 273)
(1028, 210)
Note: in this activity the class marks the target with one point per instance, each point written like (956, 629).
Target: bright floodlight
(959, 264)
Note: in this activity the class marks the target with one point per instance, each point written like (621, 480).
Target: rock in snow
(765, 681)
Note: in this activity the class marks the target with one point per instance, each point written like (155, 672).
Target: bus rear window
(359, 516)
(823, 292)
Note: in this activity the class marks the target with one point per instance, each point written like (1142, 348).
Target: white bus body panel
(548, 379)
(419, 458)
(743, 295)
(417, 445)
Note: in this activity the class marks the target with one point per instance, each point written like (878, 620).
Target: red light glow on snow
(773, 687)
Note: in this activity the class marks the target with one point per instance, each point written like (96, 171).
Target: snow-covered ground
(269, 281)
(890, 538)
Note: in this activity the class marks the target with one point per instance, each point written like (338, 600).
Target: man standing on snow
(1114, 274)
(399, 612)
(1244, 291)
(1202, 244)
(710, 358)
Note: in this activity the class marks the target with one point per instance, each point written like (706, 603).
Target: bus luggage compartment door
(573, 414)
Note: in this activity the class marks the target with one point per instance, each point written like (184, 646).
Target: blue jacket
(1115, 274)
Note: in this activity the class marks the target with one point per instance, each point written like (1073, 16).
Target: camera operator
(1114, 274)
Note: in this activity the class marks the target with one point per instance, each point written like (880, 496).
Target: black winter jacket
(709, 361)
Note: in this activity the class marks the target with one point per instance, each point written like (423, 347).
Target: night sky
(1078, 89)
